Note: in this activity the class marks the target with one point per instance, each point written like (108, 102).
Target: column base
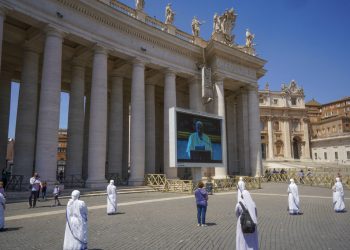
(136, 182)
(96, 184)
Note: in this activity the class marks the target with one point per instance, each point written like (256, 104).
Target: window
(315, 156)
(294, 101)
(325, 155)
(348, 155)
(261, 100)
(276, 125)
(336, 155)
(275, 101)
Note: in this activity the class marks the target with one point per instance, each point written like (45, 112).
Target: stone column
(5, 97)
(287, 141)
(270, 138)
(221, 172)
(98, 120)
(243, 135)
(49, 107)
(150, 129)
(76, 122)
(231, 122)
(2, 19)
(137, 126)
(195, 101)
(306, 139)
(254, 133)
(115, 128)
(86, 131)
(169, 102)
(27, 115)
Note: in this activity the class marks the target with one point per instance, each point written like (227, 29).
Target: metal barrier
(74, 181)
(159, 182)
(117, 179)
(15, 183)
(320, 180)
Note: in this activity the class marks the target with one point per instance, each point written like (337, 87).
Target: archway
(296, 147)
(279, 148)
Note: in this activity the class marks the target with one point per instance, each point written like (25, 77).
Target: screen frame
(173, 139)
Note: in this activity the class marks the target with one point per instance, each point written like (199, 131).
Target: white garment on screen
(338, 196)
(2, 211)
(293, 198)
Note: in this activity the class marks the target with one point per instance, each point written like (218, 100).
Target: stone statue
(224, 25)
(196, 26)
(216, 24)
(140, 4)
(249, 39)
(169, 14)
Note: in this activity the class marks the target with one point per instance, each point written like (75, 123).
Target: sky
(302, 40)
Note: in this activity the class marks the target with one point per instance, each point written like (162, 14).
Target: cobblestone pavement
(168, 221)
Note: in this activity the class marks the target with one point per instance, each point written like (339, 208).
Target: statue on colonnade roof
(169, 14)
(196, 26)
(223, 26)
(140, 4)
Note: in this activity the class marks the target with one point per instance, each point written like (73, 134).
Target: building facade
(330, 131)
(284, 123)
(123, 71)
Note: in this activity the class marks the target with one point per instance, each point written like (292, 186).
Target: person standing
(2, 190)
(246, 240)
(43, 190)
(76, 233)
(240, 187)
(56, 193)
(111, 198)
(201, 196)
(293, 198)
(338, 196)
(2, 212)
(34, 184)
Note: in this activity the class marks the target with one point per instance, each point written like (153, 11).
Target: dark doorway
(296, 148)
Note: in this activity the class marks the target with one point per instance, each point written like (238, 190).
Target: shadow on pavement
(8, 229)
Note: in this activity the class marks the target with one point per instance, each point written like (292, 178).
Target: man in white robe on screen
(76, 234)
(2, 212)
(245, 241)
(338, 196)
(111, 198)
(240, 187)
(293, 198)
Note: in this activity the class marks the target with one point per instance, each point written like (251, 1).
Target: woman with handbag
(201, 196)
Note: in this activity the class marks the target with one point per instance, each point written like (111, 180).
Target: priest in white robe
(245, 241)
(240, 187)
(2, 212)
(293, 198)
(76, 234)
(111, 198)
(338, 196)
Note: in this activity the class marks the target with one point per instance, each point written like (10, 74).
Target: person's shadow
(211, 224)
(9, 229)
(116, 213)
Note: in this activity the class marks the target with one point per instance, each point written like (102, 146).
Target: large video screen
(198, 139)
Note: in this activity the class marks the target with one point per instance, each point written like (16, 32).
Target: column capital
(138, 62)
(169, 71)
(254, 87)
(218, 77)
(51, 30)
(76, 62)
(98, 49)
(194, 78)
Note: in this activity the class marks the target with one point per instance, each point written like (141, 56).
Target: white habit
(246, 240)
(111, 198)
(75, 237)
(293, 198)
(338, 196)
(2, 211)
(240, 187)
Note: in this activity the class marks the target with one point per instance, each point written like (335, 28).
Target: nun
(293, 198)
(2, 212)
(76, 234)
(246, 241)
(111, 198)
(240, 187)
(338, 196)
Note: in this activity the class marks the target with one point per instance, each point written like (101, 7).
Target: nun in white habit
(293, 198)
(2, 211)
(76, 234)
(111, 198)
(338, 196)
(240, 187)
(246, 240)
